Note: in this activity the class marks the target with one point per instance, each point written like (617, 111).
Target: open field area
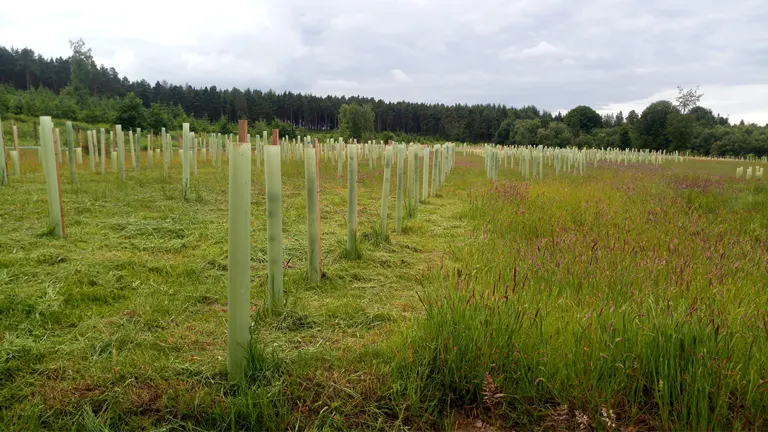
(632, 297)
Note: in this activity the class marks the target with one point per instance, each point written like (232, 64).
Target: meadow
(632, 297)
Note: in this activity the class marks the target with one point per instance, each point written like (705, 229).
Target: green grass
(637, 290)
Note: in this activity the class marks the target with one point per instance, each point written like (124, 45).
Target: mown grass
(635, 290)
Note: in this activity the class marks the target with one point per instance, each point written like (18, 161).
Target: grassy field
(632, 298)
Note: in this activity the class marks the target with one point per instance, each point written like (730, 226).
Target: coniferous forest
(76, 88)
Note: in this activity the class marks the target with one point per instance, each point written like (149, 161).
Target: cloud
(400, 76)
(605, 53)
(543, 49)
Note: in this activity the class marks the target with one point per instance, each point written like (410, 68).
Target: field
(630, 298)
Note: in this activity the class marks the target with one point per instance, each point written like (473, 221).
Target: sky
(609, 54)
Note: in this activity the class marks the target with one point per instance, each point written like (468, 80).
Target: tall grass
(652, 310)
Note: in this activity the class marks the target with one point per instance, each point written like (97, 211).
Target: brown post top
(275, 136)
(242, 131)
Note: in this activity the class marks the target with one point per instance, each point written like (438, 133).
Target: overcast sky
(609, 54)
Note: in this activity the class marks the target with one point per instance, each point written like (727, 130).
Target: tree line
(76, 88)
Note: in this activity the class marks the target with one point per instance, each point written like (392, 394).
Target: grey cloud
(552, 53)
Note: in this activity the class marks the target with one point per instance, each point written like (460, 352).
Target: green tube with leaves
(399, 202)
(3, 164)
(120, 151)
(352, 201)
(185, 185)
(313, 216)
(385, 192)
(71, 151)
(51, 176)
(273, 186)
(239, 259)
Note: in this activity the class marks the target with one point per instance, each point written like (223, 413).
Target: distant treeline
(76, 88)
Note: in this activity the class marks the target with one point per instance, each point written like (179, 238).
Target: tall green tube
(435, 172)
(410, 207)
(15, 163)
(239, 261)
(150, 151)
(219, 151)
(60, 149)
(132, 145)
(166, 151)
(103, 151)
(51, 176)
(273, 186)
(112, 152)
(3, 164)
(443, 164)
(91, 151)
(425, 187)
(416, 157)
(340, 157)
(352, 201)
(71, 150)
(120, 151)
(212, 149)
(385, 192)
(193, 143)
(399, 202)
(313, 216)
(185, 143)
(138, 149)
